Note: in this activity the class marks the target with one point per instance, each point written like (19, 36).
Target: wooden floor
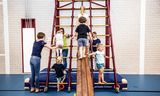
(84, 80)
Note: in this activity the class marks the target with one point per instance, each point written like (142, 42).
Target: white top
(59, 39)
(99, 57)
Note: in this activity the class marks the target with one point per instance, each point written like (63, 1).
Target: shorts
(82, 42)
(100, 66)
(61, 79)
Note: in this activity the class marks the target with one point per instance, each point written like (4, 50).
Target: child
(58, 41)
(35, 60)
(60, 69)
(83, 14)
(82, 31)
(95, 42)
(65, 46)
(100, 56)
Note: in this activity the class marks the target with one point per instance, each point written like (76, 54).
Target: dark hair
(82, 19)
(94, 32)
(62, 30)
(40, 35)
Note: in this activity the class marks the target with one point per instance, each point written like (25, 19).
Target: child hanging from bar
(60, 71)
(58, 42)
(35, 60)
(83, 14)
(82, 32)
(100, 57)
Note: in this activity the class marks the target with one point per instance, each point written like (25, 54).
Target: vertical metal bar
(50, 52)
(112, 46)
(71, 45)
(22, 26)
(90, 11)
(108, 29)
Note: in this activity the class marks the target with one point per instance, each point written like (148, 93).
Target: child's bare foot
(80, 57)
(84, 56)
(104, 82)
(99, 82)
(32, 90)
(37, 90)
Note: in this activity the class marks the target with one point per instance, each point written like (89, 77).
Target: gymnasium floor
(138, 85)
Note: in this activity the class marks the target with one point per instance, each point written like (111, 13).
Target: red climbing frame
(71, 46)
(108, 36)
(55, 21)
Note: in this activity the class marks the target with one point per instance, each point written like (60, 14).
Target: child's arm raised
(92, 54)
(74, 35)
(49, 47)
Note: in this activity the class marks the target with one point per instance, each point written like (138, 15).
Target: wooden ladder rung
(78, 0)
(63, 16)
(105, 70)
(75, 26)
(77, 16)
(108, 83)
(66, 57)
(103, 35)
(99, 16)
(100, 8)
(108, 57)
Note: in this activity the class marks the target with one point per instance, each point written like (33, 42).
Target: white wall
(125, 18)
(2, 57)
(152, 42)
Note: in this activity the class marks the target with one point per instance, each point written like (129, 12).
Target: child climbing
(65, 46)
(58, 42)
(82, 32)
(95, 42)
(100, 56)
(60, 72)
(36, 60)
(83, 14)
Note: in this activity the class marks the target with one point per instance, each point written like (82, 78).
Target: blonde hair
(59, 60)
(99, 46)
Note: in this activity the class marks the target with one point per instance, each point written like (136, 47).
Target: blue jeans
(65, 54)
(35, 69)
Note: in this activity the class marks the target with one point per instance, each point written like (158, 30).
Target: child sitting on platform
(60, 72)
(100, 56)
(58, 41)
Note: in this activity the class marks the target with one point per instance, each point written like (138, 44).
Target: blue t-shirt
(94, 43)
(37, 48)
